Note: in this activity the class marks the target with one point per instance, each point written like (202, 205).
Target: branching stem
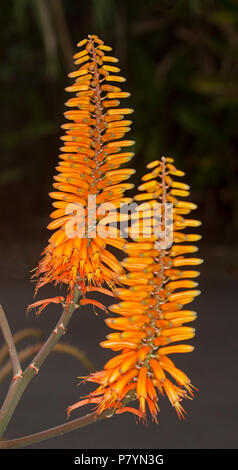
(18, 386)
(16, 366)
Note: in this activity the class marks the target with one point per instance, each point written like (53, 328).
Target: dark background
(181, 63)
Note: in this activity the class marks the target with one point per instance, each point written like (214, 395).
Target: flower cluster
(157, 279)
(89, 167)
(151, 321)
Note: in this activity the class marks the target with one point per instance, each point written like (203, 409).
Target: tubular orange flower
(88, 173)
(150, 309)
(44, 303)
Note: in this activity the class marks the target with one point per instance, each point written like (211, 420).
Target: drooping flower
(41, 304)
(90, 178)
(151, 321)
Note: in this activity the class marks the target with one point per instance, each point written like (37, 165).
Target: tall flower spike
(150, 314)
(89, 174)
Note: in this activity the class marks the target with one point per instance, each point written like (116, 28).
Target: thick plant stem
(20, 383)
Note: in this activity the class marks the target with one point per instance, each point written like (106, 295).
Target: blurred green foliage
(181, 61)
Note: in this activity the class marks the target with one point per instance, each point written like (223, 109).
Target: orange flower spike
(151, 297)
(89, 166)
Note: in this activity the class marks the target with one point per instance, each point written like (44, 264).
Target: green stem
(19, 385)
(17, 337)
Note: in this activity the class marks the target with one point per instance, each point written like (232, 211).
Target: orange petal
(44, 303)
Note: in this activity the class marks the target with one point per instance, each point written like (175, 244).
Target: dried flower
(150, 316)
